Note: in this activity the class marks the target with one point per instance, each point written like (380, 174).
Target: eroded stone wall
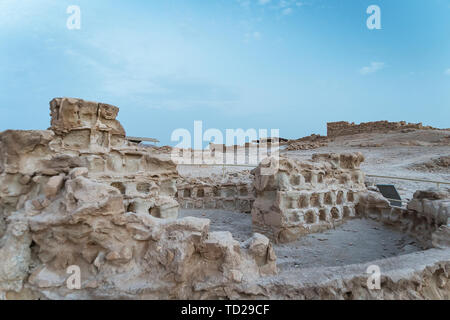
(304, 197)
(426, 217)
(79, 194)
(85, 135)
(223, 194)
(344, 128)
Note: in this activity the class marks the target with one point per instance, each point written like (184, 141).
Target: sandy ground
(356, 241)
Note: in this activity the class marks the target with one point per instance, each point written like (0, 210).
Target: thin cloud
(24, 12)
(447, 72)
(287, 11)
(252, 36)
(244, 3)
(372, 68)
(282, 7)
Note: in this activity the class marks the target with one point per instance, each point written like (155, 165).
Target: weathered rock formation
(79, 196)
(313, 141)
(344, 128)
(85, 135)
(441, 164)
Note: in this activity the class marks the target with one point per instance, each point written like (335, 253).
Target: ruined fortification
(343, 128)
(80, 195)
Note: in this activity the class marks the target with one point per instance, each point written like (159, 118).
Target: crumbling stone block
(53, 186)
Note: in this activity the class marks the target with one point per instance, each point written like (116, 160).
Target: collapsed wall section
(344, 128)
(426, 217)
(305, 197)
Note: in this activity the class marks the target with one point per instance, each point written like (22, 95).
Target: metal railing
(223, 165)
(438, 183)
(217, 165)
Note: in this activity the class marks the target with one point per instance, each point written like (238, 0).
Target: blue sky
(292, 65)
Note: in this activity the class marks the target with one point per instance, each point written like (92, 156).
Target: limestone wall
(227, 195)
(426, 217)
(305, 197)
(343, 128)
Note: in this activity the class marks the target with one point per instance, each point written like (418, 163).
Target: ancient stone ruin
(425, 217)
(80, 195)
(344, 128)
(305, 197)
(231, 194)
(313, 141)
